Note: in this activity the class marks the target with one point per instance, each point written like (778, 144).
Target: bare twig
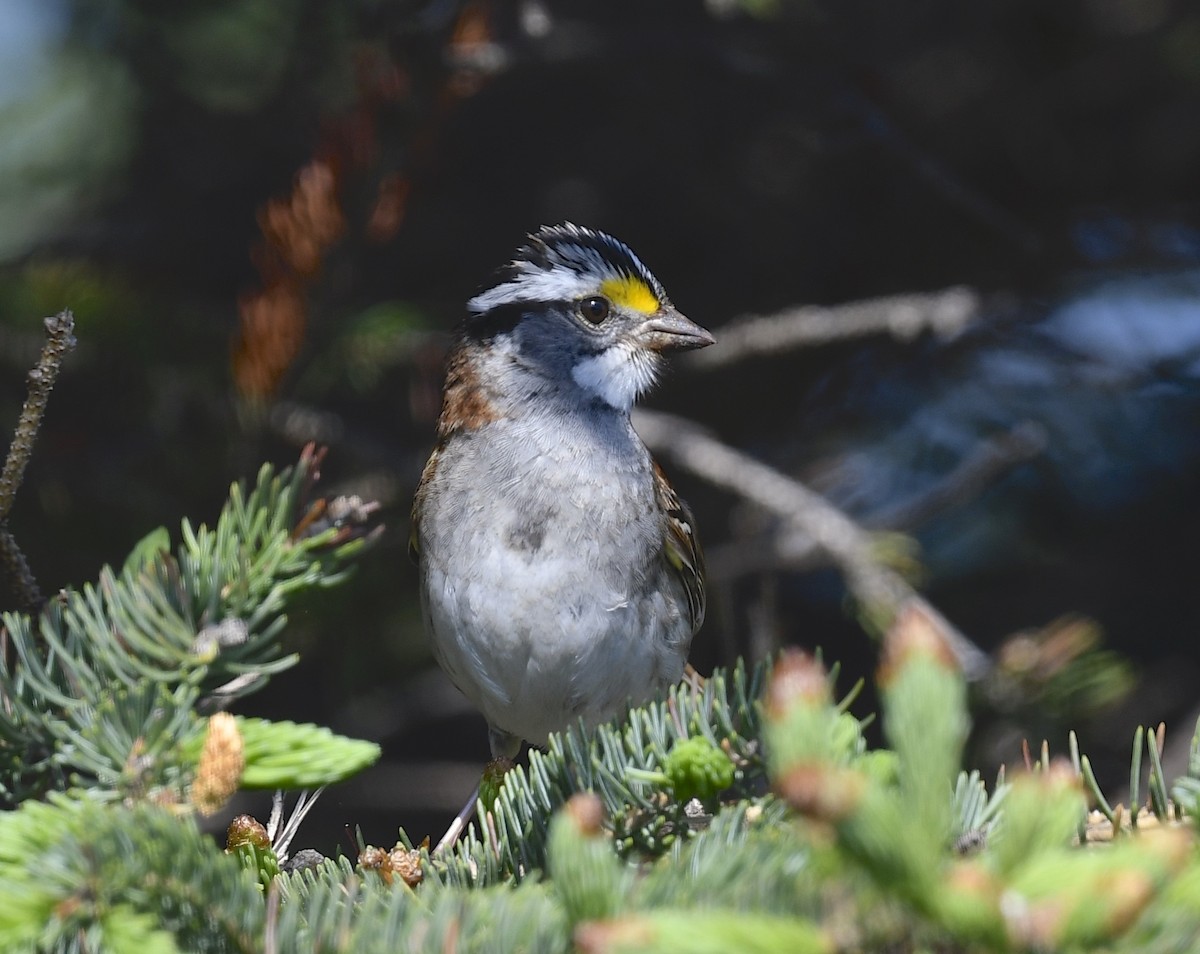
(945, 313)
(60, 340)
(991, 458)
(878, 588)
(16, 568)
(282, 832)
(795, 549)
(457, 826)
(987, 462)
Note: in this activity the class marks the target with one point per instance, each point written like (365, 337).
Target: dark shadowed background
(266, 215)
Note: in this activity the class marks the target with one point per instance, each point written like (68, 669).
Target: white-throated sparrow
(561, 576)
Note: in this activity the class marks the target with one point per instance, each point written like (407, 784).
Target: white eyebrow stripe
(558, 284)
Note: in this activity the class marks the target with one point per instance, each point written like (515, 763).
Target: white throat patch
(617, 375)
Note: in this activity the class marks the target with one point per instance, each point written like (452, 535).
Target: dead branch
(60, 339)
(989, 460)
(944, 313)
(794, 549)
(881, 591)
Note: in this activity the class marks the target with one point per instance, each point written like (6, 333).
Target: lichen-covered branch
(60, 341)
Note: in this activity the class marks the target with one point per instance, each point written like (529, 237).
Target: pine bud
(219, 770)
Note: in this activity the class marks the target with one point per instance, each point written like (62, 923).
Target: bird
(561, 575)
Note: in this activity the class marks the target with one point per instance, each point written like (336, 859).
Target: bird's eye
(594, 309)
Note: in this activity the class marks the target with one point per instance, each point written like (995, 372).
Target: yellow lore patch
(629, 292)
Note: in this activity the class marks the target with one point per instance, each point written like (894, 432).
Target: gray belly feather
(549, 598)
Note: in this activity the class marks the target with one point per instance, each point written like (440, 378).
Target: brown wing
(682, 546)
(414, 536)
(466, 406)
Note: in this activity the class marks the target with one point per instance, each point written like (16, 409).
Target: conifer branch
(107, 681)
(747, 812)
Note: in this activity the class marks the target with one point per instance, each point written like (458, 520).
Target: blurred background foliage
(266, 215)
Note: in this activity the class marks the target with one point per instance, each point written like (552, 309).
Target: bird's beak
(668, 330)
